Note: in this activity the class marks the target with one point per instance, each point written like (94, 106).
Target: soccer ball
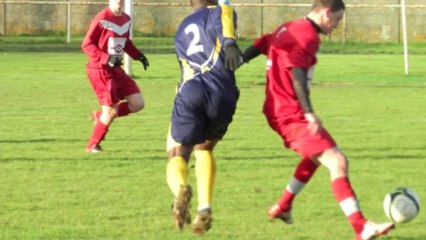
(402, 205)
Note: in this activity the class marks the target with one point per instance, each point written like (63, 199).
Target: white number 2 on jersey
(195, 45)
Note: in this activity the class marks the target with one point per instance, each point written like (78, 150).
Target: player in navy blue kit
(206, 100)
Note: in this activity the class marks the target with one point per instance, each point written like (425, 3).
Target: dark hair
(334, 5)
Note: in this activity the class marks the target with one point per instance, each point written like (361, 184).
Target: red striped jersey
(108, 35)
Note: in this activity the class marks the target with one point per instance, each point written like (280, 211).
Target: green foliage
(51, 189)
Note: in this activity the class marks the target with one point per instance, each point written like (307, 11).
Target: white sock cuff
(350, 206)
(295, 186)
(205, 207)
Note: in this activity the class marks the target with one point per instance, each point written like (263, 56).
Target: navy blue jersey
(199, 42)
(207, 97)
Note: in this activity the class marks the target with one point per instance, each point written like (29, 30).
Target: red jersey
(262, 44)
(108, 35)
(292, 45)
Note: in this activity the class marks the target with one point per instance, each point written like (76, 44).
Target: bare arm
(300, 85)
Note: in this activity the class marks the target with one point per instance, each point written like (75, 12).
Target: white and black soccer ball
(402, 205)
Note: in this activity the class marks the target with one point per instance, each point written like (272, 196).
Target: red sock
(99, 132)
(304, 171)
(123, 109)
(346, 198)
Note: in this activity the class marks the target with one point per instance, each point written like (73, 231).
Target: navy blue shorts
(202, 112)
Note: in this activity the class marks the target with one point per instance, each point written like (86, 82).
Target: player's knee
(111, 113)
(340, 164)
(207, 145)
(342, 161)
(336, 162)
(108, 115)
(137, 106)
(181, 150)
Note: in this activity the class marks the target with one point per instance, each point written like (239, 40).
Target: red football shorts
(111, 85)
(296, 137)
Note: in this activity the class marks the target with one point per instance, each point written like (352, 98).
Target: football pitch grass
(51, 189)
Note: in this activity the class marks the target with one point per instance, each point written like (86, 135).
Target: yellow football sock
(177, 174)
(205, 170)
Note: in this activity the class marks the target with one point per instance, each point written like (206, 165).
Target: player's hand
(115, 61)
(314, 123)
(233, 57)
(144, 61)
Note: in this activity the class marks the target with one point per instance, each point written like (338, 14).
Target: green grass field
(51, 189)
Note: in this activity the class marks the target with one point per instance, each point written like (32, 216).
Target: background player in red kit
(291, 51)
(105, 43)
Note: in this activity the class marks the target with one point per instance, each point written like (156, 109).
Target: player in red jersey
(291, 51)
(105, 43)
